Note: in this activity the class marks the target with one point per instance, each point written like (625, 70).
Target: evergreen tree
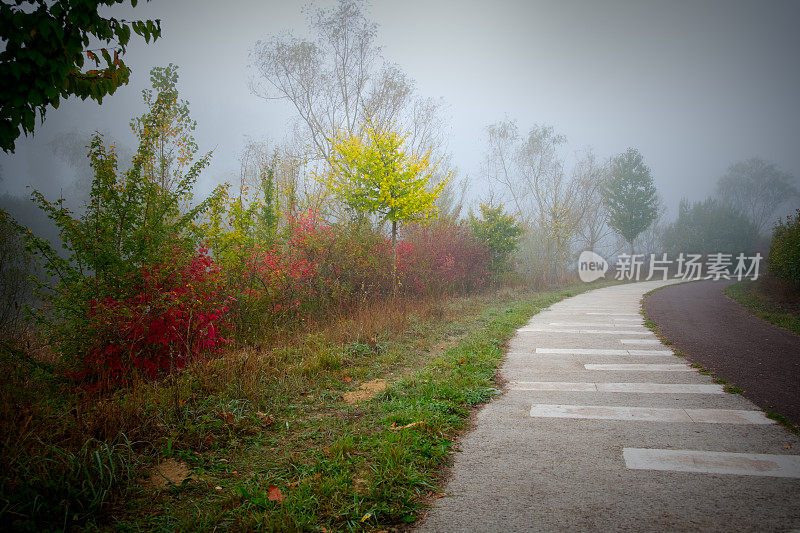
(630, 195)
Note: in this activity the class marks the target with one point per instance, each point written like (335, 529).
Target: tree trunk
(394, 259)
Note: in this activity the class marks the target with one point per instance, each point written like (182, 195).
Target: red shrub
(321, 266)
(441, 257)
(173, 318)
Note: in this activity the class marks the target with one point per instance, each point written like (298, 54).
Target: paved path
(713, 330)
(602, 429)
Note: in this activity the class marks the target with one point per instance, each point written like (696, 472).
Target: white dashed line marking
(599, 351)
(707, 462)
(640, 367)
(644, 388)
(602, 412)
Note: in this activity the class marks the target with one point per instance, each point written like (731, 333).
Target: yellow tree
(375, 174)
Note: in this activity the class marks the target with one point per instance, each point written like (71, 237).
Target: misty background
(694, 86)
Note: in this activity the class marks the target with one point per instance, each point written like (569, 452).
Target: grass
(702, 370)
(785, 422)
(269, 440)
(777, 305)
(652, 326)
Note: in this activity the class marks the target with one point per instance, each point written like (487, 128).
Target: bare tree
(500, 167)
(560, 208)
(542, 175)
(758, 190)
(651, 240)
(591, 176)
(530, 172)
(338, 82)
(255, 157)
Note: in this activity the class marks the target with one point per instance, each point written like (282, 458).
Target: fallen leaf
(787, 447)
(411, 425)
(275, 495)
(462, 361)
(217, 488)
(347, 379)
(366, 517)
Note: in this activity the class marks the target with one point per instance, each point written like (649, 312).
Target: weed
(785, 422)
(701, 369)
(53, 487)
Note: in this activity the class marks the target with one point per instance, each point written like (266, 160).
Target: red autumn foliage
(175, 316)
(176, 311)
(440, 258)
(323, 266)
(319, 267)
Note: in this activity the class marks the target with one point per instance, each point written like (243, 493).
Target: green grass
(785, 422)
(747, 293)
(702, 370)
(652, 326)
(268, 419)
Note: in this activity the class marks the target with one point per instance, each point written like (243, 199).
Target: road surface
(602, 428)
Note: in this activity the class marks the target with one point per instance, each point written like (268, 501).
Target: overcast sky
(694, 85)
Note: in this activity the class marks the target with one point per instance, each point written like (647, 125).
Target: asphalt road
(718, 333)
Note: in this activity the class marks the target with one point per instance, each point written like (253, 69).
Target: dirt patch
(166, 473)
(367, 390)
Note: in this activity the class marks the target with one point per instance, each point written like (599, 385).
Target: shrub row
(189, 307)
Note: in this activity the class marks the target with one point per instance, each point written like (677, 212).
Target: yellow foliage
(375, 173)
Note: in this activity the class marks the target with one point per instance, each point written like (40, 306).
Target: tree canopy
(374, 173)
(630, 195)
(710, 227)
(499, 231)
(45, 44)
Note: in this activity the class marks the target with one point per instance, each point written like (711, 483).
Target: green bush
(499, 231)
(136, 221)
(784, 251)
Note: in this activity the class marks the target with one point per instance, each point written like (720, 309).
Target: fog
(694, 86)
